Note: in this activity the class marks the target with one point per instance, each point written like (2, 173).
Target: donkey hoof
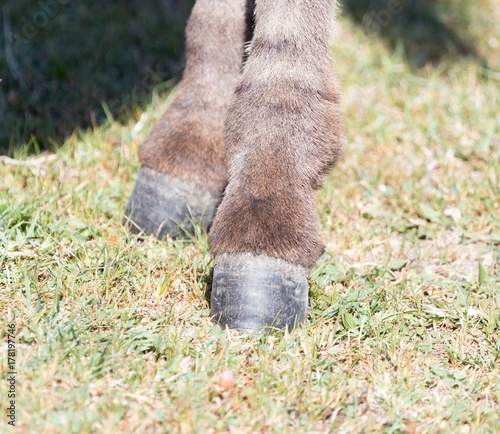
(161, 204)
(258, 292)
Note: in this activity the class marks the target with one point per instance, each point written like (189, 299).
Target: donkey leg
(283, 135)
(184, 169)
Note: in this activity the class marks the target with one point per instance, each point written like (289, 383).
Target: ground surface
(404, 327)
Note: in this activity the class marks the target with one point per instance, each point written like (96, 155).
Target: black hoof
(252, 292)
(161, 204)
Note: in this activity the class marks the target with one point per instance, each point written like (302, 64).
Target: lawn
(403, 334)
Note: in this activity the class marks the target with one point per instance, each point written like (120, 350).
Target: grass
(62, 62)
(404, 321)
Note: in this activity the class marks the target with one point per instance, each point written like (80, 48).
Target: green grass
(404, 321)
(65, 61)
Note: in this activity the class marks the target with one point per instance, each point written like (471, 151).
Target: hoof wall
(258, 292)
(162, 205)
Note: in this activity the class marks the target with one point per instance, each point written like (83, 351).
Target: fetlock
(188, 144)
(281, 223)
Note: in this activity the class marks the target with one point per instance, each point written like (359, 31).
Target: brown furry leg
(184, 165)
(284, 133)
(187, 142)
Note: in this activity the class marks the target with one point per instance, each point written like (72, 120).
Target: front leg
(283, 135)
(184, 163)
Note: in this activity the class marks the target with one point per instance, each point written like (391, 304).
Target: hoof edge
(258, 292)
(162, 205)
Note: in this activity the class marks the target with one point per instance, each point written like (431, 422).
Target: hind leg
(184, 166)
(284, 133)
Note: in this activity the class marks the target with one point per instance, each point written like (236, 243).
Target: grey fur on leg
(258, 292)
(188, 142)
(164, 205)
(284, 133)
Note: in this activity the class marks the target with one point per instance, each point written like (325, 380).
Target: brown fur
(188, 140)
(283, 134)
(284, 127)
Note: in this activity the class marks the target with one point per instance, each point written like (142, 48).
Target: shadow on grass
(62, 59)
(430, 31)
